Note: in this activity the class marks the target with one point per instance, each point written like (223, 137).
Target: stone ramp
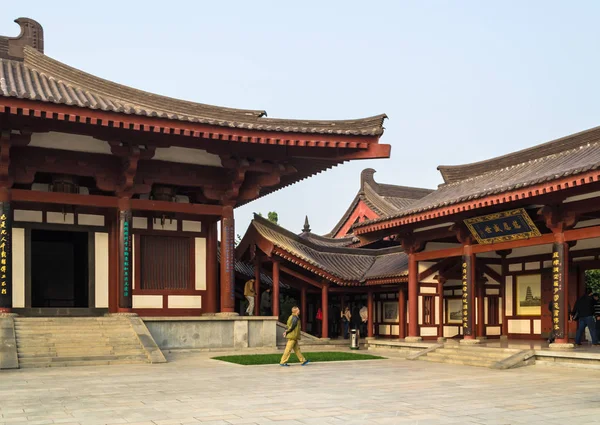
(473, 355)
(83, 341)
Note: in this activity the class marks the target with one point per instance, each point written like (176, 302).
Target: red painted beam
(197, 209)
(63, 198)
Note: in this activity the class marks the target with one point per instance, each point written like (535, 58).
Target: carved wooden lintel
(462, 234)
(410, 244)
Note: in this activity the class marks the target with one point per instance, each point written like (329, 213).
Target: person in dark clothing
(265, 303)
(597, 315)
(584, 312)
(356, 317)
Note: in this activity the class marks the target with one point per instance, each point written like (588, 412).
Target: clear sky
(461, 81)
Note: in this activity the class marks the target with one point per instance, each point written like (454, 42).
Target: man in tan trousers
(292, 333)
(249, 293)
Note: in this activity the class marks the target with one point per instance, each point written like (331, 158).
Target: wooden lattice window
(493, 310)
(428, 310)
(165, 262)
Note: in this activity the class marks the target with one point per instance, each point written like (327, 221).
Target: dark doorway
(59, 269)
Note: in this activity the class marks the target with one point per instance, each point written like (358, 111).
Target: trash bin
(354, 335)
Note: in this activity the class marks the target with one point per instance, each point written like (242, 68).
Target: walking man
(584, 312)
(250, 294)
(292, 333)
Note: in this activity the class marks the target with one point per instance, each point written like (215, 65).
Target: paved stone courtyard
(194, 390)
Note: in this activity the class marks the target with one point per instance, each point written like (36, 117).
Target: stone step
(436, 355)
(471, 353)
(458, 361)
(81, 363)
(54, 347)
(32, 331)
(73, 339)
(478, 348)
(107, 357)
(84, 352)
(71, 327)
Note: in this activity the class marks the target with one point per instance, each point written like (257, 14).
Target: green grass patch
(323, 356)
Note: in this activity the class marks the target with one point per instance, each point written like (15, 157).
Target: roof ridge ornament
(32, 34)
(306, 228)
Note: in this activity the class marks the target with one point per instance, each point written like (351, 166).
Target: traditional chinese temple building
(110, 196)
(502, 246)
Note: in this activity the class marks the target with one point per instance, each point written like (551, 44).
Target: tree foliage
(592, 279)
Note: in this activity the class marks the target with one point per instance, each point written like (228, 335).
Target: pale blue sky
(460, 80)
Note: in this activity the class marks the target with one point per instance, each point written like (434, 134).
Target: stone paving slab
(192, 389)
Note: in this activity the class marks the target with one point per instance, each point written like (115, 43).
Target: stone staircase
(494, 358)
(77, 341)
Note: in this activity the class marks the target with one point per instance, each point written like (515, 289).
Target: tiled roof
(326, 241)
(244, 270)
(351, 266)
(26, 73)
(382, 199)
(564, 157)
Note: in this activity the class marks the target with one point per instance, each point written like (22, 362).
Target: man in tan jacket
(250, 295)
(292, 333)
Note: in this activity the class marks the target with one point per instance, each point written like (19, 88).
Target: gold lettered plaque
(502, 227)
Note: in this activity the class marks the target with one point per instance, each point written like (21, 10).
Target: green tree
(592, 279)
(272, 216)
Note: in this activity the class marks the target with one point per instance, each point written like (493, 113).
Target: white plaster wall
(428, 290)
(395, 330)
(485, 310)
(451, 331)
(191, 226)
(18, 267)
(531, 250)
(70, 142)
(437, 310)
(521, 326)
(384, 330)
(200, 267)
(587, 244)
(532, 266)
(537, 326)
(429, 331)
(185, 301)
(60, 218)
(509, 295)
(434, 246)
(27, 215)
(517, 267)
(500, 304)
(420, 310)
(140, 222)
(147, 301)
(133, 247)
(492, 291)
(90, 220)
(101, 269)
(493, 330)
(187, 156)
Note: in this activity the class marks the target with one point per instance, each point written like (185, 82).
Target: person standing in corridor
(292, 333)
(249, 293)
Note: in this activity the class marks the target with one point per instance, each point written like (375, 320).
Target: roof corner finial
(306, 228)
(32, 34)
(366, 176)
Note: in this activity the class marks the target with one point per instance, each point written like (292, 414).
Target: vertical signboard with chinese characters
(125, 260)
(558, 295)
(228, 238)
(466, 294)
(5, 256)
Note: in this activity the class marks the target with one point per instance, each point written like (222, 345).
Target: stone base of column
(482, 338)
(7, 314)
(370, 338)
(227, 314)
(122, 314)
(413, 339)
(503, 337)
(209, 314)
(325, 339)
(469, 341)
(561, 346)
(442, 339)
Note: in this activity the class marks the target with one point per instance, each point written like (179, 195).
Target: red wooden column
(402, 313)
(441, 281)
(560, 289)
(275, 296)
(480, 308)
(468, 286)
(125, 266)
(325, 309)
(370, 314)
(227, 261)
(504, 254)
(413, 297)
(303, 310)
(6, 288)
(212, 265)
(256, 285)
